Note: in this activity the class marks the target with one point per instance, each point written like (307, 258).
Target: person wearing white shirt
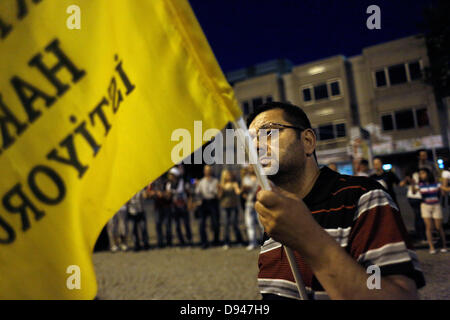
(207, 190)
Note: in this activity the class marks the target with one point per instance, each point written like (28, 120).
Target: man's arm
(287, 219)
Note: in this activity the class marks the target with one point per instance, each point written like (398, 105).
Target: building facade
(393, 99)
(322, 90)
(373, 104)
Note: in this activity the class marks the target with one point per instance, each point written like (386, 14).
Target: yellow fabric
(173, 79)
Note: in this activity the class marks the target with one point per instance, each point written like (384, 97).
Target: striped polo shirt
(362, 218)
(430, 192)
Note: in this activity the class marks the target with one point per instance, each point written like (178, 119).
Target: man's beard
(288, 174)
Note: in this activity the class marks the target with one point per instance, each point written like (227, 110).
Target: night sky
(243, 33)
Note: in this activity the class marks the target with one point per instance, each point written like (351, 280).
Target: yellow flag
(90, 93)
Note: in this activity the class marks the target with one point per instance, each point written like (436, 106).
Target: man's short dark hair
(364, 162)
(293, 114)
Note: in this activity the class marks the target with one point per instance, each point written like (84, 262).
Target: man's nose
(260, 145)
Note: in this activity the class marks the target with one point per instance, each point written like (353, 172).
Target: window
(414, 70)
(307, 94)
(257, 102)
(387, 122)
(422, 118)
(335, 90)
(326, 132)
(340, 130)
(397, 74)
(245, 107)
(320, 91)
(330, 131)
(404, 119)
(380, 78)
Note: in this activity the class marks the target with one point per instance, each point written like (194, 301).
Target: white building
(381, 91)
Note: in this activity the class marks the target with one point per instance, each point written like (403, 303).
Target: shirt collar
(322, 187)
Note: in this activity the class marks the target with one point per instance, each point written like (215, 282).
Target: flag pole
(243, 135)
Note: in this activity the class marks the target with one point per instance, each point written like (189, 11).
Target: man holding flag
(341, 228)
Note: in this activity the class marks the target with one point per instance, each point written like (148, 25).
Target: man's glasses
(269, 127)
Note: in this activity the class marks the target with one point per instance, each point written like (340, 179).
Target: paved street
(178, 274)
(213, 274)
(192, 273)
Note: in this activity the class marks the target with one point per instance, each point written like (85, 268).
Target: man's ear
(309, 141)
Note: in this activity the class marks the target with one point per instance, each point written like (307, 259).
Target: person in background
(229, 202)
(423, 162)
(415, 199)
(207, 189)
(175, 186)
(252, 223)
(162, 210)
(386, 178)
(431, 208)
(194, 200)
(138, 219)
(363, 168)
(117, 229)
(333, 166)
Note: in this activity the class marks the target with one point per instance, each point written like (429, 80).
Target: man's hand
(284, 216)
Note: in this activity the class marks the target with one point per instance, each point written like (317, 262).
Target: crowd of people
(221, 202)
(428, 190)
